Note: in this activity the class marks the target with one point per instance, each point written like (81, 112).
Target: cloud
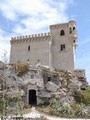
(34, 14)
(4, 43)
(29, 17)
(6, 10)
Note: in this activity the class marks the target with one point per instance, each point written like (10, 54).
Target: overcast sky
(25, 17)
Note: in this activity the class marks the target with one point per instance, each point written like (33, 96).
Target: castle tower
(64, 43)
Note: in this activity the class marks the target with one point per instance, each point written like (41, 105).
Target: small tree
(5, 57)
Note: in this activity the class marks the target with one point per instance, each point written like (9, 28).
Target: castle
(55, 49)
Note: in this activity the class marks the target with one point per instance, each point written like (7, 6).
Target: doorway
(32, 97)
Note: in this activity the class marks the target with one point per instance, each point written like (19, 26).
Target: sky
(25, 17)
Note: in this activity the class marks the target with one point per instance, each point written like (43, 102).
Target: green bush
(64, 110)
(56, 106)
(82, 97)
(82, 111)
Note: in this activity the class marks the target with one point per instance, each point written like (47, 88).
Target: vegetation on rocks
(83, 96)
(79, 109)
(21, 69)
(60, 89)
(66, 110)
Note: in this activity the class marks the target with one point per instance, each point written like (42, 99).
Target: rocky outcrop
(50, 84)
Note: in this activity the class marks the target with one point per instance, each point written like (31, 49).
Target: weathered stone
(58, 95)
(80, 73)
(65, 100)
(64, 89)
(60, 78)
(74, 86)
(55, 95)
(51, 86)
(64, 83)
(44, 95)
(40, 101)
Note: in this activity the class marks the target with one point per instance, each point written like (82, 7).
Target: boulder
(75, 85)
(44, 95)
(65, 100)
(58, 95)
(51, 86)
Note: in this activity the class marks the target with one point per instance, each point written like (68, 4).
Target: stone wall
(38, 48)
(80, 73)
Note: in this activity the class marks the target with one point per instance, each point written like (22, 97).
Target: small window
(29, 48)
(70, 30)
(62, 33)
(73, 28)
(62, 47)
(74, 41)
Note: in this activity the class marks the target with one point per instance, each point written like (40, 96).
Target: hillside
(35, 85)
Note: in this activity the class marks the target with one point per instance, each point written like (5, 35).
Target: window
(29, 48)
(73, 28)
(62, 33)
(74, 41)
(70, 30)
(62, 47)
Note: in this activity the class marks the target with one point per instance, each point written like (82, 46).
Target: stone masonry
(55, 49)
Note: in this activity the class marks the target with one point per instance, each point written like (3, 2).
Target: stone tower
(55, 49)
(64, 43)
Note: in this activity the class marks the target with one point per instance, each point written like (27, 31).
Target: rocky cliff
(50, 84)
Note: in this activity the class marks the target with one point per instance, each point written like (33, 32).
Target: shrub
(82, 97)
(45, 75)
(21, 69)
(82, 111)
(56, 106)
(67, 110)
(60, 109)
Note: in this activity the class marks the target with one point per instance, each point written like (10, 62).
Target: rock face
(41, 84)
(51, 86)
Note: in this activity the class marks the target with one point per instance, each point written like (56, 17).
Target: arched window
(70, 30)
(62, 33)
(62, 47)
(73, 28)
(29, 48)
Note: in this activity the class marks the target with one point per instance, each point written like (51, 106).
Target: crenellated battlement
(55, 49)
(31, 36)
